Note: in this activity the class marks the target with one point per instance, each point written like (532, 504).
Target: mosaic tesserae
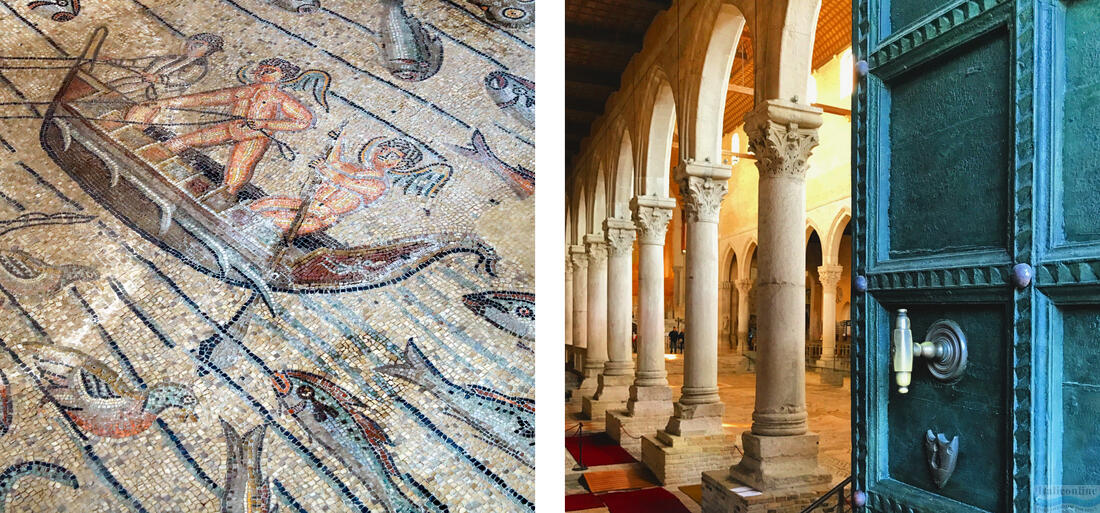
(267, 255)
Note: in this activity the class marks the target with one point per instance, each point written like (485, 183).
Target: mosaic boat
(159, 194)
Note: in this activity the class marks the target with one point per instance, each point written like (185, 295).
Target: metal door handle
(944, 346)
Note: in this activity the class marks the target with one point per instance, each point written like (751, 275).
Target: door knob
(944, 346)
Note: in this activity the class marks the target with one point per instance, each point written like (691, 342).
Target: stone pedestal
(647, 411)
(778, 462)
(681, 460)
(723, 494)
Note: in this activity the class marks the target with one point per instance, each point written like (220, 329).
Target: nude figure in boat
(258, 109)
(345, 186)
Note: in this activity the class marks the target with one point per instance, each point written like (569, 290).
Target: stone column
(569, 350)
(694, 441)
(725, 321)
(650, 401)
(597, 309)
(618, 371)
(829, 275)
(744, 285)
(779, 451)
(580, 317)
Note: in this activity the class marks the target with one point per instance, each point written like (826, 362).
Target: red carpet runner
(599, 449)
(650, 500)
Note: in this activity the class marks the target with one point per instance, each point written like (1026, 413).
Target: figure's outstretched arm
(205, 99)
(298, 117)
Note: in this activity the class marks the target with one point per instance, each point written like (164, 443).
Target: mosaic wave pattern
(267, 255)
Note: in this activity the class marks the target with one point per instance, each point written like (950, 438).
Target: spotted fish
(506, 422)
(56, 10)
(51, 471)
(298, 6)
(510, 311)
(516, 95)
(520, 179)
(6, 409)
(334, 418)
(246, 489)
(409, 51)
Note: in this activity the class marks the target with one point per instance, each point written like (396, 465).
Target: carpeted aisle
(649, 500)
(599, 449)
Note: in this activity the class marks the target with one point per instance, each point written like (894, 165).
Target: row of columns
(682, 444)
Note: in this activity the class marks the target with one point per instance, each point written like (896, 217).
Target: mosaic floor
(262, 255)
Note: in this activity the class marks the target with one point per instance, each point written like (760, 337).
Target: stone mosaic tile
(262, 255)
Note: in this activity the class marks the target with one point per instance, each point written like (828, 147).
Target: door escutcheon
(944, 346)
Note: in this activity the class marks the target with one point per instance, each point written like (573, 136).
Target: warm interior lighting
(811, 90)
(670, 356)
(735, 145)
(847, 71)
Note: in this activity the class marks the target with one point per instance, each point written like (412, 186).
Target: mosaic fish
(31, 280)
(45, 470)
(215, 351)
(298, 6)
(510, 311)
(31, 219)
(334, 418)
(520, 179)
(97, 399)
(503, 421)
(508, 13)
(409, 52)
(246, 489)
(516, 95)
(56, 10)
(6, 409)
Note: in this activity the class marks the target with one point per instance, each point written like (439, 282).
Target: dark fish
(56, 10)
(513, 94)
(51, 471)
(246, 489)
(510, 311)
(520, 179)
(334, 418)
(409, 52)
(6, 409)
(508, 13)
(503, 421)
(298, 6)
(31, 219)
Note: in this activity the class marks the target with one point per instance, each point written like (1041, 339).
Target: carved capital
(744, 285)
(597, 250)
(569, 267)
(620, 236)
(829, 275)
(702, 197)
(651, 217)
(724, 285)
(782, 138)
(579, 258)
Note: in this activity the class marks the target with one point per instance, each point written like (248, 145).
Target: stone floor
(829, 409)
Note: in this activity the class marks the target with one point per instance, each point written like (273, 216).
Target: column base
(723, 494)
(611, 394)
(829, 374)
(646, 412)
(779, 462)
(679, 460)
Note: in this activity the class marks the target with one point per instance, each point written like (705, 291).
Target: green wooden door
(976, 159)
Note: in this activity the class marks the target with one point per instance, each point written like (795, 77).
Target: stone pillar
(650, 401)
(694, 441)
(725, 321)
(580, 317)
(569, 350)
(829, 275)
(597, 309)
(618, 371)
(744, 285)
(780, 454)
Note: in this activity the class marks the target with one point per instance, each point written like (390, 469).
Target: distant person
(672, 341)
(680, 341)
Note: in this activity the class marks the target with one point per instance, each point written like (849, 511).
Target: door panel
(937, 174)
(939, 222)
(1080, 182)
(1080, 388)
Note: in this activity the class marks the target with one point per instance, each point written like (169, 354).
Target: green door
(976, 180)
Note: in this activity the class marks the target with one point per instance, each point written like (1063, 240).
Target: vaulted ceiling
(602, 35)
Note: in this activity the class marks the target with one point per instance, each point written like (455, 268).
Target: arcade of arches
(713, 196)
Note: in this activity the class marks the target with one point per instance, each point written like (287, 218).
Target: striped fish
(409, 51)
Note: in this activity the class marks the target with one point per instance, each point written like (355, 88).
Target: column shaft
(651, 217)
(597, 305)
(829, 276)
(580, 296)
(568, 302)
(744, 285)
(620, 243)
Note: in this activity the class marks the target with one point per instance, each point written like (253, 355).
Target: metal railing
(836, 500)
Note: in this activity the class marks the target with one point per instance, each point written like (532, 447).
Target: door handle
(944, 346)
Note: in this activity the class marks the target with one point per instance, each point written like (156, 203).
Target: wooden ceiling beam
(587, 75)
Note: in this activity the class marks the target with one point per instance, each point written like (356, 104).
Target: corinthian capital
(620, 236)
(829, 275)
(651, 216)
(597, 249)
(579, 258)
(782, 137)
(702, 197)
(743, 285)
